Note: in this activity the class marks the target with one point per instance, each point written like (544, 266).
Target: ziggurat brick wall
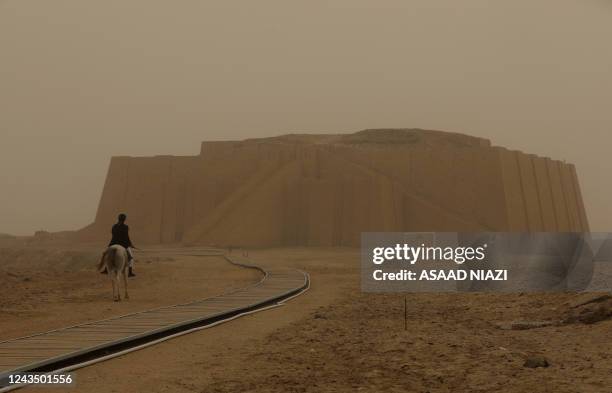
(324, 190)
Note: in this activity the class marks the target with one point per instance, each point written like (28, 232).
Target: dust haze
(81, 81)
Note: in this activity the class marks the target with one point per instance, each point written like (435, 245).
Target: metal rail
(75, 346)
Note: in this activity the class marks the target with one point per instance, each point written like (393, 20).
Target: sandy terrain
(335, 339)
(46, 288)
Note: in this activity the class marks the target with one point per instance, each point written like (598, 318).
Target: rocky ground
(450, 343)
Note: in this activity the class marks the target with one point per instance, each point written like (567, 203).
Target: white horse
(115, 260)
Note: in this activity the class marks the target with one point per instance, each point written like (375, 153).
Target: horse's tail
(109, 253)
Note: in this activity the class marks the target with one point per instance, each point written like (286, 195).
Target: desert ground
(333, 338)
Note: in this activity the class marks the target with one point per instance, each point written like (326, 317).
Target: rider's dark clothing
(121, 236)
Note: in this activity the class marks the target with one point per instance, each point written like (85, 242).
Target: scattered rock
(590, 313)
(536, 362)
(525, 325)
(319, 316)
(589, 298)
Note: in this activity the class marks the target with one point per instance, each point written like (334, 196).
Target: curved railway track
(77, 346)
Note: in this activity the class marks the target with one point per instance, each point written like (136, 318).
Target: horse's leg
(114, 282)
(125, 284)
(118, 286)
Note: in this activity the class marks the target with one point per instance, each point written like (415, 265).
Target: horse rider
(121, 236)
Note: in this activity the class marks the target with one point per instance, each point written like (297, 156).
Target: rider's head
(122, 217)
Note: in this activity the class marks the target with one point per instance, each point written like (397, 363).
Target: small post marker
(405, 313)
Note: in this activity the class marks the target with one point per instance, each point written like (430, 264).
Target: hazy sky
(82, 80)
